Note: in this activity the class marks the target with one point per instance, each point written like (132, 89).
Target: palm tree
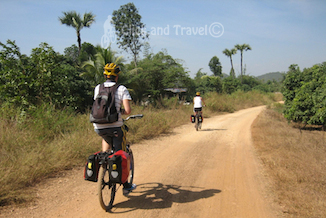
(229, 53)
(241, 48)
(72, 18)
(94, 68)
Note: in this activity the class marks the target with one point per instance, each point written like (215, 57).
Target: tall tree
(241, 48)
(129, 29)
(229, 53)
(215, 66)
(72, 18)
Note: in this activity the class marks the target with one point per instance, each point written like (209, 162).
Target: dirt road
(210, 173)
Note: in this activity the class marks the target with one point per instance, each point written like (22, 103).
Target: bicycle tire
(132, 167)
(106, 191)
(196, 122)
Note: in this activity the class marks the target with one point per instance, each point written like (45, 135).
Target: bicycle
(198, 120)
(106, 188)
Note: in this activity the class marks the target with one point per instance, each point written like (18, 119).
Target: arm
(203, 101)
(127, 108)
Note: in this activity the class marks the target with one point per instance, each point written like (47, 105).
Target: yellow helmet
(198, 93)
(111, 69)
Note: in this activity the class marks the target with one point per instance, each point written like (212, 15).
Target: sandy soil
(210, 173)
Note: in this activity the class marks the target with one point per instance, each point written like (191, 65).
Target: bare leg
(105, 146)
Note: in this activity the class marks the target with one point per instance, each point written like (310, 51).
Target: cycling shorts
(113, 136)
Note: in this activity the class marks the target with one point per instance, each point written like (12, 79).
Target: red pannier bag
(119, 167)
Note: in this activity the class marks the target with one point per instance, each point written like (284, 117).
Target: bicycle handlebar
(137, 116)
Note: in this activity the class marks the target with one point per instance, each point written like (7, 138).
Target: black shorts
(113, 136)
(197, 109)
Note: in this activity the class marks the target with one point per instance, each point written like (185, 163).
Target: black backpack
(104, 110)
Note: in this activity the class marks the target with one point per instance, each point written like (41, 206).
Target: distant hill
(277, 76)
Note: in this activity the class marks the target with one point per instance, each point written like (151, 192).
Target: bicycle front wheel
(106, 190)
(132, 167)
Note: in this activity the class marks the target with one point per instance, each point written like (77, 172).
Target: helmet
(197, 93)
(111, 69)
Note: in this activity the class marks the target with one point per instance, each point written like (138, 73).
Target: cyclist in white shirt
(198, 103)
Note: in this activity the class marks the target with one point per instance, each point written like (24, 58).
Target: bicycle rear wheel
(196, 122)
(106, 190)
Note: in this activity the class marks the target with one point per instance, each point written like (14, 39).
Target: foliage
(269, 86)
(305, 96)
(14, 75)
(206, 84)
(129, 29)
(45, 76)
(93, 68)
(72, 18)
(229, 53)
(87, 52)
(155, 74)
(215, 66)
(249, 82)
(230, 85)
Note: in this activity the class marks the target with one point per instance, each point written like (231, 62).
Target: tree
(215, 66)
(209, 84)
(199, 74)
(229, 53)
(93, 68)
(230, 85)
(249, 83)
(45, 76)
(129, 29)
(77, 57)
(72, 18)
(71, 53)
(305, 96)
(241, 48)
(156, 73)
(14, 76)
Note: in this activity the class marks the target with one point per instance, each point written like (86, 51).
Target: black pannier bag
(92, 167)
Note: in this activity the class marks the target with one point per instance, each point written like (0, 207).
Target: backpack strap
(113, 90)
(101, 88)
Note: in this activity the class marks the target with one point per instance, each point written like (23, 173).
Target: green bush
(305, 96)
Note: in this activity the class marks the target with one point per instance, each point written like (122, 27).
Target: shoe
(127, 190)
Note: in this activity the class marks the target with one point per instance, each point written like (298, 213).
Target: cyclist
(106, 131)
(198, 103)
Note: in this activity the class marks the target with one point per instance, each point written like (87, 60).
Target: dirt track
(210, 173)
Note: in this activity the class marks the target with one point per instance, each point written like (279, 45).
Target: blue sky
(280, 32)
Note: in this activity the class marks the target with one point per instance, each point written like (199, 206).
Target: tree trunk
(79, 42)
(232, 68)
(241, 67)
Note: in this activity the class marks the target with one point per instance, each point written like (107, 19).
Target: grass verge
(295, 161)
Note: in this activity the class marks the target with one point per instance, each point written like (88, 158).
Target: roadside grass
(44, 141)
(295, 161)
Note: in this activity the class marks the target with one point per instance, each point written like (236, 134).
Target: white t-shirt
(197, 102)
(121, 94)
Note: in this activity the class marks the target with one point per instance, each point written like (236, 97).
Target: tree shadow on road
(159, 196)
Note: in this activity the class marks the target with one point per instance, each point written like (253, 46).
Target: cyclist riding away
(115, 129)
(198, 103)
